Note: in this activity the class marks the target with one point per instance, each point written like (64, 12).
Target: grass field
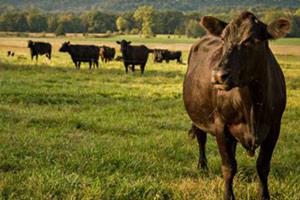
(101, 134)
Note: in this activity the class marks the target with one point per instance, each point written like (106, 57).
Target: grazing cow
(158, 55)
(107, 53)
(82, 53)
(39, 48)
(10, 53)
(163, 54)
(134, 55)
(235, 89)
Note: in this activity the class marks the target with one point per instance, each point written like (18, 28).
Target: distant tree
(20, 22)
(60, 30)
(166, 22)
(272, 15)
(122, 24)
(52, 23)
(144, 16)
(193, 29)
(98, 22)
(37, 22)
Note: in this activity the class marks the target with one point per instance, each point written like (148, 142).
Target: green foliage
(193, 29)
(122, 24)
(37, 21)
(144, 16)
(60, 30)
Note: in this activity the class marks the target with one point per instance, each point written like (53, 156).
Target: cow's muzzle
(221, 80)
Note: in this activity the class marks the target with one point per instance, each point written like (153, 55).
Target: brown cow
(234, 88)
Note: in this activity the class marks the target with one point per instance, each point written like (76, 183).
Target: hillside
(125, 5)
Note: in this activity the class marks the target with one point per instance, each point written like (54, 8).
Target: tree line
(145, 20)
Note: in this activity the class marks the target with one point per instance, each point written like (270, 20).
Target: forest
(144, 20)
(130, 5)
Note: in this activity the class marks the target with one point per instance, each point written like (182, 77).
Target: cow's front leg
(227, 147)
(126, 67)
(264, 160)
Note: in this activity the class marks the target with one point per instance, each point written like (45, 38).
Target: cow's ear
(212, 25)
(118, 42)
(129, 42)
(279, 28)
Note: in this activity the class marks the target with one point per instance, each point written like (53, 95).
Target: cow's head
(244, 45)
(124, 46)
(30, 43)
(158, 55)
(64, 47)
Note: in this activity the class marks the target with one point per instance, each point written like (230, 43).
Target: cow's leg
(36, 57)
(90, 65)
(126, 68)
(264, 160)
(201, 138)
(132, 69)
(97, 64)
(49, 55)
(227, 147)
(143, 68)
(78, 65)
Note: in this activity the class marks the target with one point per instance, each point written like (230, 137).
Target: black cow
(163, 54)
(82, 53)
(107, 53)
(134, 55)
(10, 53)
(39, 48)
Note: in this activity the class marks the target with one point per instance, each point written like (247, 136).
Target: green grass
(101, 134)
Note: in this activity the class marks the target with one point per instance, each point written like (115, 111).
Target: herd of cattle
(131, 55)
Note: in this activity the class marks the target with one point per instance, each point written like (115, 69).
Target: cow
(39, 48)
(158, 55)
(82, 53)
(107, 53)
(10, 53)
(235, 89)
(134, 55)
(163, 54)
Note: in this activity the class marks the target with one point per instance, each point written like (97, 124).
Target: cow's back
(84, 52)
(41, 48)
(197, 89)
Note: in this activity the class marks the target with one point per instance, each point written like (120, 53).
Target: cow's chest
(244, 120)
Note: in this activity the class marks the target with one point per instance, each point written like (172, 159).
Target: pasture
(101, 134)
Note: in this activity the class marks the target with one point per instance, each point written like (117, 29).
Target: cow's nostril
(224, 77)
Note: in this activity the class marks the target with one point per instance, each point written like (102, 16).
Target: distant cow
(234, 89)
(163, 54)
(82, 53)
(107, 53)
(39, 48)
(134, 55)
(10, 53)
